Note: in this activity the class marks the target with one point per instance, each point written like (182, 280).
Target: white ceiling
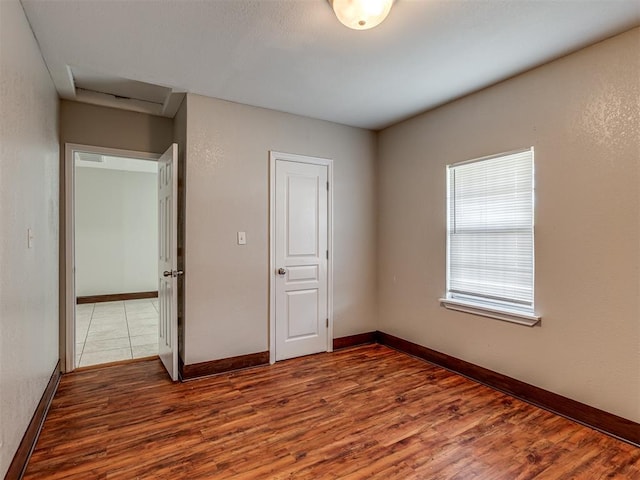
(294, 55)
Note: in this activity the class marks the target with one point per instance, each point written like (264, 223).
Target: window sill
(505, 315)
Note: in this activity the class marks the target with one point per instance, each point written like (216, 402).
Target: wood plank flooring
(363, 413)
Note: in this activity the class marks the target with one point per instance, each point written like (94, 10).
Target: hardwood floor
(362, 413)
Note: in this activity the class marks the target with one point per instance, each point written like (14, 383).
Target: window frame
(508, 313)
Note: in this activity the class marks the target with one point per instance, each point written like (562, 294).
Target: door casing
(289, 157)
(68, 286)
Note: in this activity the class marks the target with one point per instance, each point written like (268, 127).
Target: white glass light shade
(361, 14)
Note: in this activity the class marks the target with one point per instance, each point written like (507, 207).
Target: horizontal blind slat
(490, 205)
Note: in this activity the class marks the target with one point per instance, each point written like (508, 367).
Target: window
(490, 251)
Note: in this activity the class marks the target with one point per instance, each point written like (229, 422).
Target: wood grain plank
(606, 422)
(367, 412)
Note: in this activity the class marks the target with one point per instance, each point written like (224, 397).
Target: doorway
(105, 289)
(301, 320)
(116, 240)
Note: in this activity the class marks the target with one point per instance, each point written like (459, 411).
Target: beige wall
(110, 127)
(582, 115)
(28, 199)
(227, 169)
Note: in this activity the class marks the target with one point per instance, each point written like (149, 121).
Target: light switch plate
(242, 238)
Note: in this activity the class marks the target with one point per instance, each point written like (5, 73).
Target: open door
(168, 260)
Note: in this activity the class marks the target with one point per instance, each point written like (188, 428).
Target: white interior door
(168, 260)
(300, 258)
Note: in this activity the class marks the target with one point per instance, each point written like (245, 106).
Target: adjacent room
(320, 239)
(116, 247)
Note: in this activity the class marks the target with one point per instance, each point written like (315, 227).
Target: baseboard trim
(618, 427)
(354, 340)
(27, 444)
(214, 367)
(115, 297)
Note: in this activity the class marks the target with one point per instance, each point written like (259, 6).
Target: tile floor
(113, 331)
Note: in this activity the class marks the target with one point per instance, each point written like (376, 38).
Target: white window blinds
(490, 257)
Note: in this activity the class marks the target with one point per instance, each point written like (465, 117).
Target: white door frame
(69, 285)
(290, 157)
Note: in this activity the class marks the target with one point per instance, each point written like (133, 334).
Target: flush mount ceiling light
(361, 14)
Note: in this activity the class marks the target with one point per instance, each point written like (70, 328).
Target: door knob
(172, 273)
(282, 271)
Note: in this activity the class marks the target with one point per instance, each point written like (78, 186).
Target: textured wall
(227, 168)
(116, 231)
(28, 199)
(109, 127)
(582, 115)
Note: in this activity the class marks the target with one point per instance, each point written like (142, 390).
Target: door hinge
(327, 323)
(327, 186)
(327, 254)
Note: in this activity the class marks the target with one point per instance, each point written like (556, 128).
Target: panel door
(301, 214)
(168, 260)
